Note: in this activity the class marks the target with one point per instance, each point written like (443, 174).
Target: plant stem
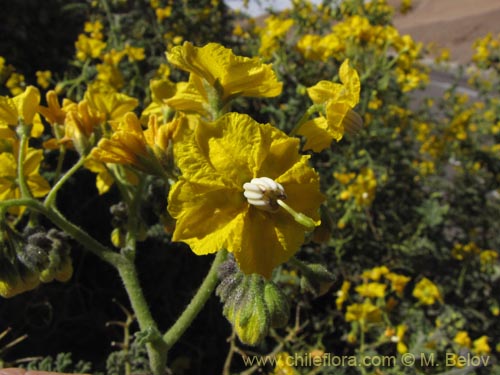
(196, 304)
(92, 245)
(51, 197)
(21, 156)
(157, 348)
(305, 117)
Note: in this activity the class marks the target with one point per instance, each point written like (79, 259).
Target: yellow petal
(317, 135)
(324, 91)
(209, 218)
(27, 104)
(8, 111)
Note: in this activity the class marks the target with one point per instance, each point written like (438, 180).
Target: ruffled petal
(317, 135)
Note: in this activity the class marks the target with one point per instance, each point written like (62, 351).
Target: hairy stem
(196, 304)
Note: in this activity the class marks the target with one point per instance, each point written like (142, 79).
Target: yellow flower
(88, 47)
(283, 365)
(43, 78)
(398, 338)
(161, 89)
(375, 273)
(94, 29)
(363, 313)
(16, 83)
(110, 103)
(398, 282)
(270, 36)
(338, 100)
(462, 338)
(21, 108)
(342, 294)
(480, 346)
(427, 292)
(81, 123)
(362, 189)
(130, 145)
(371, 290)
(236, 174)
(9, 188)
(135, 53)
(231, 74)
(488, 257)
(54, 113)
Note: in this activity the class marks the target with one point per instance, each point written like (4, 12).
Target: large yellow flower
(234, 173)
(338, 100)
(235, 75)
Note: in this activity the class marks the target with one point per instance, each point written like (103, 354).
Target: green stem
(196, 304)
(60, 162)
(92, 245)
(21, 156)
(312, 109)
(51, 197)
(156, 347)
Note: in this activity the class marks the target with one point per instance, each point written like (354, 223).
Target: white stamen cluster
(263, 193)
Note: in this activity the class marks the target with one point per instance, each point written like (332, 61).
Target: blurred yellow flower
(362, 189)
(342, 294)
(283, 365)
(272, 33)
(398, 282)
(375, 273)
(43, 78)
(236, 174)
(88, 47)
(462, 338)
(363, 313)
(480, 346)
(338, 100)
(371, 290)
(427, 292)
(16, 83)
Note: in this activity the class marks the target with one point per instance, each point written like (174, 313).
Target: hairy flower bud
(251, 303)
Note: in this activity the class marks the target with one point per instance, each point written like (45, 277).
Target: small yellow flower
(43, 78)
(135, 53)
(88, 47)
(398, 282)
(283, 365)
(462, 338)
(480, 346)
(236, 174)
(363, 313)
(130, 145)
(342, 294)
(21, 108)
(109, 103)
(16, 83)
(371, 290)
(270, 35)
(339, 100)
(399, 337)
(220, 68)
(9, 188)
(375, 273)
(427, 292)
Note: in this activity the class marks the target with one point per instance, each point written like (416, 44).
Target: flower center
(264, 193)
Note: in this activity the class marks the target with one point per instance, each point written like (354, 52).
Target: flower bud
(278, 305)
(316, 279)
(251, 303)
